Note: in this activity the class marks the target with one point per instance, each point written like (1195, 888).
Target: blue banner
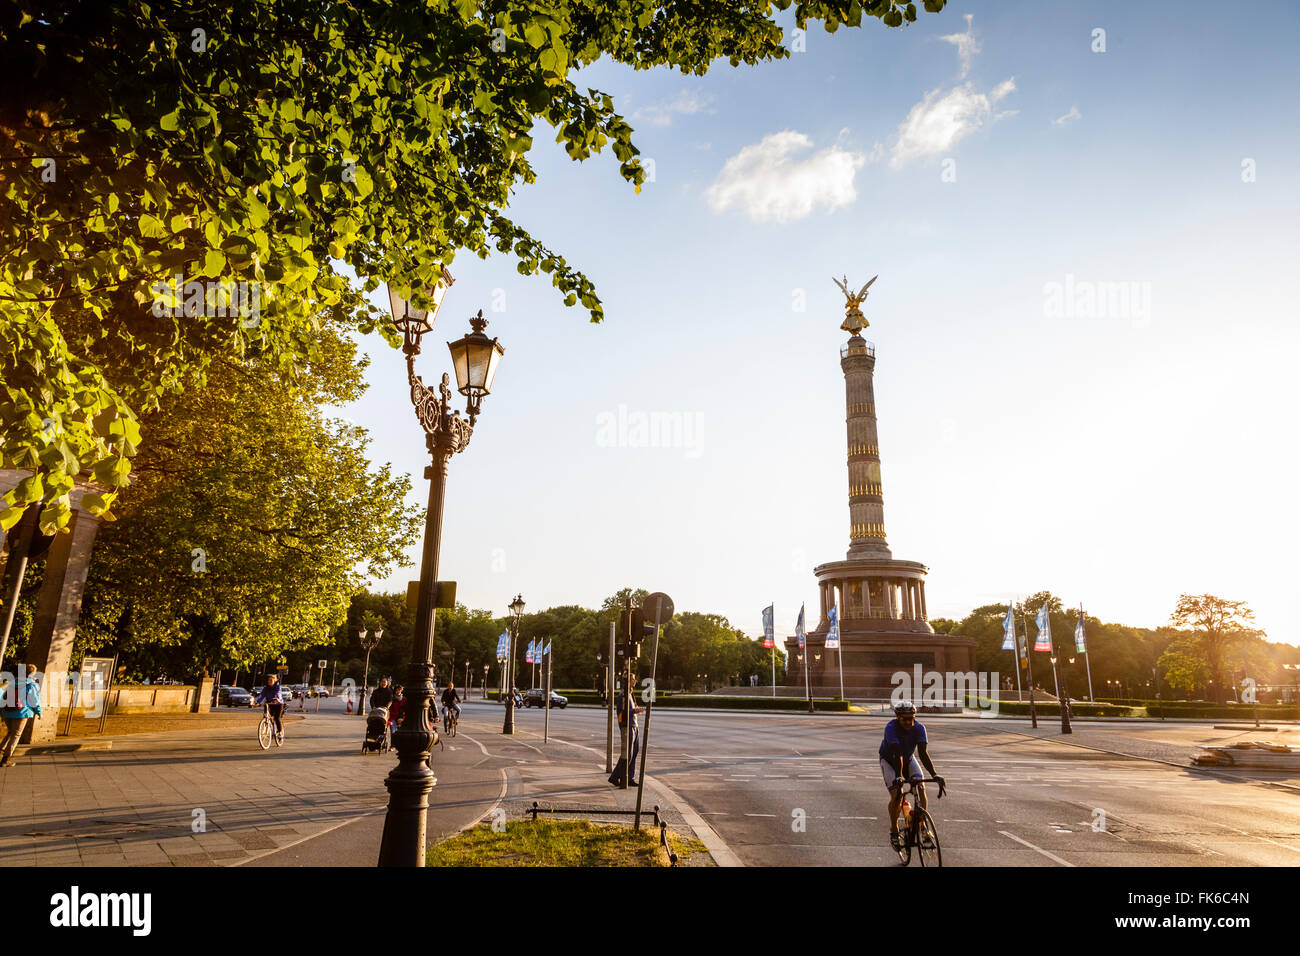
(1009, 630)
(769, 634)
(799, 627)
(1044, 640)
(833, 635)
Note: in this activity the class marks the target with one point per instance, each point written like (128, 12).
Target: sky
(1082, 217)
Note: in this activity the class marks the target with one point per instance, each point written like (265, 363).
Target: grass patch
(559, 843)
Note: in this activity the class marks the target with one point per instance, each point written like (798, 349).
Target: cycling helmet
(905, 708)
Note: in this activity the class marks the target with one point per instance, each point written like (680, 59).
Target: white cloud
(966, 44)
(686, 103)
(943, 118)
(768, 183)
(1074, 114)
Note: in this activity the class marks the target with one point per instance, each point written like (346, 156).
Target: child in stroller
(376, 731)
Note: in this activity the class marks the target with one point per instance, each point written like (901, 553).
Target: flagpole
(839, 652)
(773, 666)
(1087, 657)
(1015, 653)
(1029, 663)
(807, 653)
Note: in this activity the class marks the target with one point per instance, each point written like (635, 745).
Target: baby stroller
(376, 732)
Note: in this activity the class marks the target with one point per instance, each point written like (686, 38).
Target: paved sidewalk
(214, 798)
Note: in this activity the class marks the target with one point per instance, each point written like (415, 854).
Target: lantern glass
(475, 358)
(409, 318)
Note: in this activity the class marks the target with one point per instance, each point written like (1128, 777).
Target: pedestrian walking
(627, 711)
(21, 702)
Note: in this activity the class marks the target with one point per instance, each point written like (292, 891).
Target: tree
(251, 522)
(273, 144)
(1216, 624)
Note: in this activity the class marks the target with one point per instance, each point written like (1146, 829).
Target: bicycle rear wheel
(927, 840)
(264, 733)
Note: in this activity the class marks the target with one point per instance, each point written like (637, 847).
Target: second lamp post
(517, 609)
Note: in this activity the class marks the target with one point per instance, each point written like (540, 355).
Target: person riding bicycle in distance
(904, 741)
(271, 695)
(451, 699)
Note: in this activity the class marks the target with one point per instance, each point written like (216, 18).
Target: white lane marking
(287, 846)
(952, 820)
(500, 796)
(776, 776)
(760, 814)
(480, 745)
(1255, 836)
(1037, 849)
(810, 776)
(857, 818)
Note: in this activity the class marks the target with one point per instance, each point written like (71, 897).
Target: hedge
(1017, 708)
(705, 700)
(1231, 711)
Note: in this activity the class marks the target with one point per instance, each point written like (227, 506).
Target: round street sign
(657, 603)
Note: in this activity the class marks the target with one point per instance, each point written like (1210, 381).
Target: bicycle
(449, 721)
(916, 827)
(266, 730)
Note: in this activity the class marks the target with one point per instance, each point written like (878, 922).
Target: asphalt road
(1016, 796)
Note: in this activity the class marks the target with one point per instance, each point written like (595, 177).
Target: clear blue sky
(996, 173)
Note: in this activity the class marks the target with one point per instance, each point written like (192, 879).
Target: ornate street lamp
(368, 644)
(517, 609)
(475, 358)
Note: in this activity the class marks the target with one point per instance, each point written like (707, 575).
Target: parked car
(536, 698)
(223, 693)
(238, 697)
(318, 690)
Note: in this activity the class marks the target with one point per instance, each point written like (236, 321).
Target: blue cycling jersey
(269, 695)
(901, 743)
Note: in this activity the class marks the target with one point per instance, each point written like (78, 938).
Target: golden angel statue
(854, 320)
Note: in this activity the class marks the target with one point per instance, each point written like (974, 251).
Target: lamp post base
(411, 781)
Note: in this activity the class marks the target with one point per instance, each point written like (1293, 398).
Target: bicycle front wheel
(904, 841)
(927, 840)
(264, 733)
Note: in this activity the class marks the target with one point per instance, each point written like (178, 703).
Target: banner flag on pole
(1080, 645)
(833, 635)
(799, 627)
(1044, 640)
(769, 635)
(528, 653)
(503, 646)
(547, 652)
(1009, 630)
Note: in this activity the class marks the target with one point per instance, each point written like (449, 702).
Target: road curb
(717, 847)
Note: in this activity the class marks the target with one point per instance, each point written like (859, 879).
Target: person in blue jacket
(272, 694)
(20, 704)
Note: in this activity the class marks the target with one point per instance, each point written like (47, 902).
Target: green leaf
(214, 263)
(151, 227)
(365, 185)
(171, 121)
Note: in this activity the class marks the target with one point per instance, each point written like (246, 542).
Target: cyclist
(904, 741)
(450, 703)
(272, 696)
